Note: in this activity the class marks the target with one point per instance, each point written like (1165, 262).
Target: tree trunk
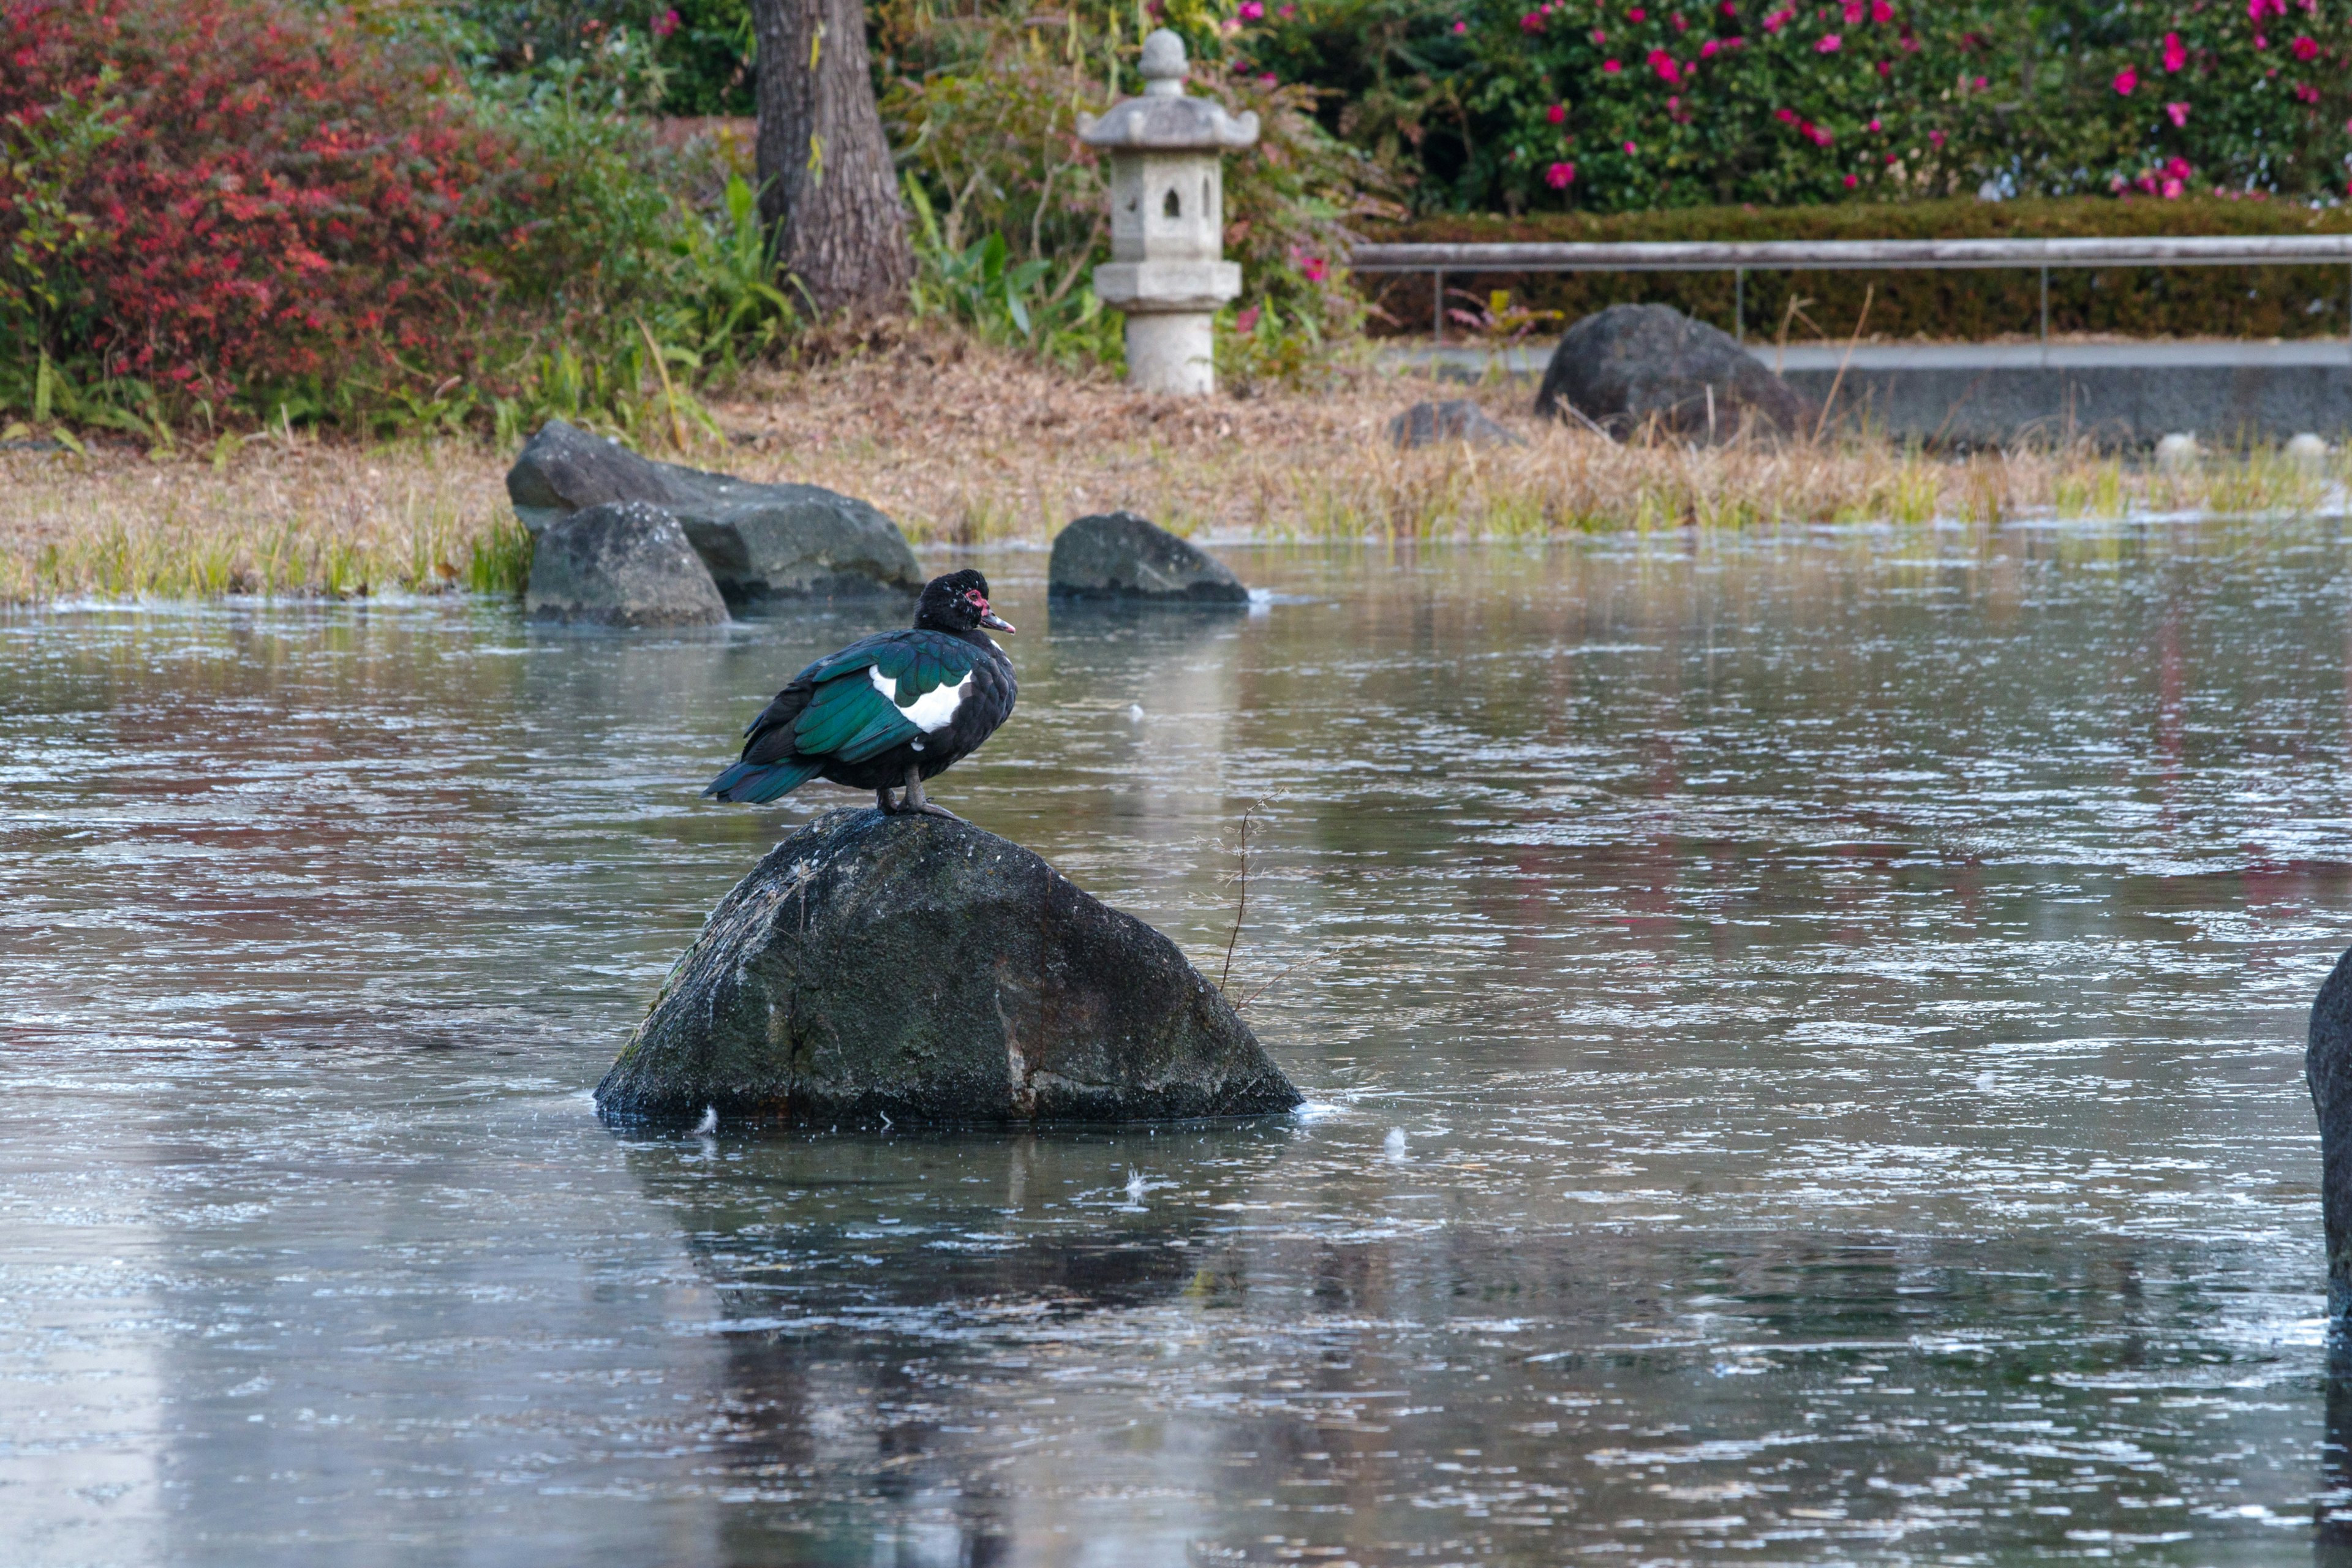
(826, 180)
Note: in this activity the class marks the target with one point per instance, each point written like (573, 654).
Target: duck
(888, 711)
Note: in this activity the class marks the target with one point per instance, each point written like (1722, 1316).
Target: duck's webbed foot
(916, 802)
(882, 799)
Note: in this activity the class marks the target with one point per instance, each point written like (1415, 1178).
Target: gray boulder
(1455, 419)
(626, 564)
(919, 969)
(1626, 365)
(1118, 555)
(760, 542)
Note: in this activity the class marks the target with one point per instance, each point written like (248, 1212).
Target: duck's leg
(882, 799)
(915, 801)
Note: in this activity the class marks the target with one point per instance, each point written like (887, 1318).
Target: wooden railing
(1740, 257)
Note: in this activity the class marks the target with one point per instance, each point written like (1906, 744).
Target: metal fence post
(1437, 310)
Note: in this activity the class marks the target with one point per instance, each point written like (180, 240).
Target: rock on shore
(924, 970)
(759, 542)
(625, 564)
(1626, 365)
(1118, 555)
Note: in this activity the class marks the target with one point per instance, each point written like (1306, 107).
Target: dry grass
(966, 445)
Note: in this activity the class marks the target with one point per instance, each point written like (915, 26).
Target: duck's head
(957, 603)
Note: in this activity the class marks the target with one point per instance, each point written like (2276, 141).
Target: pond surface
(1802, 1035)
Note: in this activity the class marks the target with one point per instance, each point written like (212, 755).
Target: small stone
(759, 542)
(926, 970)
(1118, 555)
(1455, 419)
(626, 564)
(2307, 451)
(2176, 453)
(1630, 366)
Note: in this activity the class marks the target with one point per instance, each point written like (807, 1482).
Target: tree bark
(827, 183)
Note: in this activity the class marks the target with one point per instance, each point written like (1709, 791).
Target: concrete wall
(2118, 393)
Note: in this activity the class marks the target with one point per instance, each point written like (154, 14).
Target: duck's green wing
(882, 693)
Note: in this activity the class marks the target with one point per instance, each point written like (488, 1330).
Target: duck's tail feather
(755, 783)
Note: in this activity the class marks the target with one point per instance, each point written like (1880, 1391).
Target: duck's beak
(995, 622)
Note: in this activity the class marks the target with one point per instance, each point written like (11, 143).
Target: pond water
(1802, 1036)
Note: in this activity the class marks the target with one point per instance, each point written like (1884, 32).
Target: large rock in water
(923, 969)
(628, 565)
(1625, 365)
(759, 542)
(1118, 555)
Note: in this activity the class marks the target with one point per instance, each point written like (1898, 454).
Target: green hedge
(2182, 302)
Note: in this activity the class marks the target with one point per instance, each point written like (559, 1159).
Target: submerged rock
(923, 969)
(1118, 555)
(759, 542)
(1630, 364)
(628, 565)
(1454, 419)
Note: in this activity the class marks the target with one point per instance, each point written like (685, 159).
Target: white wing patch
(934, 710)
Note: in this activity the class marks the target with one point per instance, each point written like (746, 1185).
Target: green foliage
(683, 57)
(984, 108)
(2239, 302)
(1527, 105)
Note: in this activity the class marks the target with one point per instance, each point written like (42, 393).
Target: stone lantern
(1168, 269)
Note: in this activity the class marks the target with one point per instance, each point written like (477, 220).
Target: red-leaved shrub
(276, 195)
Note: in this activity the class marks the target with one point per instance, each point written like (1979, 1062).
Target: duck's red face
(988, 617)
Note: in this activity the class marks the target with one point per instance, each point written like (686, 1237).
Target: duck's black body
(892, 710)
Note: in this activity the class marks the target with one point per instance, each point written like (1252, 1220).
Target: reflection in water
(1803, 1038)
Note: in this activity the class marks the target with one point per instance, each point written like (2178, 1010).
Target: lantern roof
(1164, 119)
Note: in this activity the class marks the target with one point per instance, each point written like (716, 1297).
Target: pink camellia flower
(1936, 139)
(2172, 190)
(2126, 79)
(1881, 12)
(1980, 84)
(2175, 56)
(1828, 44)
(1316, 268)
(1248, 320)
(1682, 23)
(665, 24)
(1532, 22)
(1559, 176)
(1892, 160)
(2179, 112)
(1853, 9)
(1460, 27)
(1663, 64)
(2261, 42)
(1610, 68)
(1874, 125)
(1556, 114)
(1269, 79)
(1850, 181)
(1287, 11)
(1789, 117)
(1637, 15)
(1821, 137)
(1730, 10)
(1599, 37)
(2177, 168)
(1707, 50)
(1253, 10)
(1629, 149)
(1885, 69)
(2306, 47)
(1779, 20)
(2306, 93)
